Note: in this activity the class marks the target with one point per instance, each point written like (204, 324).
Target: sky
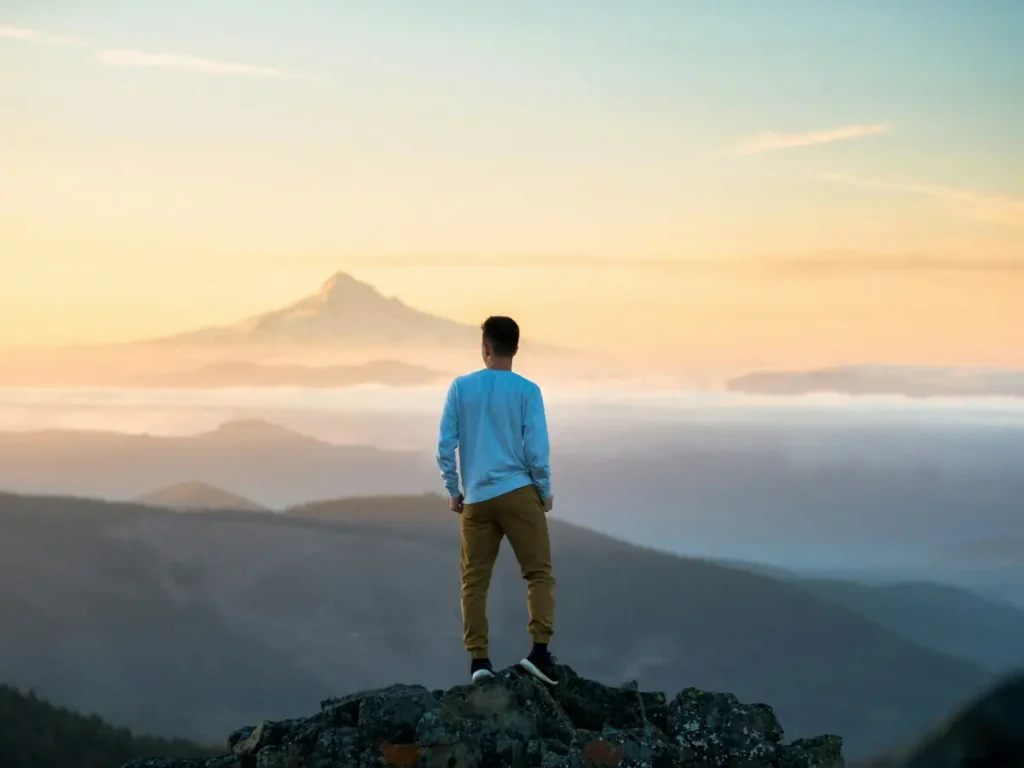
(805, 182)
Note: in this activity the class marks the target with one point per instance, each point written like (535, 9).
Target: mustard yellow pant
(520, 516)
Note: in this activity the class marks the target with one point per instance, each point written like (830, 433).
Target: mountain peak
(342, 288)
(343, 311)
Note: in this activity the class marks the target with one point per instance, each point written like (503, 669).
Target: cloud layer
(770, 142)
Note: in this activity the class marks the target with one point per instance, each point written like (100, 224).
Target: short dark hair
(502, 334)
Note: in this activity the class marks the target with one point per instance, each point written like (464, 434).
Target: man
(496, 420)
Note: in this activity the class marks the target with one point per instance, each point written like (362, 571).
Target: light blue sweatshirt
(496, 420)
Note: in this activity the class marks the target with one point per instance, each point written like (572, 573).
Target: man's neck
(500, 364)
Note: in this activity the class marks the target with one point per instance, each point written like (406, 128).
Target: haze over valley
(806, 483)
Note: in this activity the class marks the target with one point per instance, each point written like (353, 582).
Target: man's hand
(455, 504)
(549, 503)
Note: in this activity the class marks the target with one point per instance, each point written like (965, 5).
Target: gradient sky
(662, 175)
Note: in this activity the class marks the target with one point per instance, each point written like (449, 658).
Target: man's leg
(523, 520)
(481, 540)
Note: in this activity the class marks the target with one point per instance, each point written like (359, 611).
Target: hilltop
(198, 496)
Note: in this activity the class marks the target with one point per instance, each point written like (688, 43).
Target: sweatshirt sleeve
(535, 442)
(448, 441)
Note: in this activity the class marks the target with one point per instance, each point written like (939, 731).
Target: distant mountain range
(910, 381)
(950, 619)
(269, 464)
(191, 624)
(810, 499)
(198, 496)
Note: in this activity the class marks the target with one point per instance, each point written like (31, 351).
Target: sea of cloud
(159, 411)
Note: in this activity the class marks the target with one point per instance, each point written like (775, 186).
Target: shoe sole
(532, 669)
(482, 674)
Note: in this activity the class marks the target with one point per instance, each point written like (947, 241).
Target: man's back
(497, 419)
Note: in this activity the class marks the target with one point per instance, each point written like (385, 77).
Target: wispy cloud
(770, 142)
(196, 64)
(130, 57)
(34, 35)
(968, 203)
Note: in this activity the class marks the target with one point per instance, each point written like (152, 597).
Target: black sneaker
(481, 669)
(541, 664)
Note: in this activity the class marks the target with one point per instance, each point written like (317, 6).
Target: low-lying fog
(882, 486)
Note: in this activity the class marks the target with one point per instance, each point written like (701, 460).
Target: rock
(249, 741)
(715, 729)
(513, 721)
(392, 714)
(594, 706)
(518, 706)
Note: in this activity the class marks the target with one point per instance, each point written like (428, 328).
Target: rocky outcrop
(512, 721)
